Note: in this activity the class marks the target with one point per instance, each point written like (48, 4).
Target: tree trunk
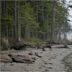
(27, 32)
(53, 23)
(19, 23)
(16, 19)
(0, 24)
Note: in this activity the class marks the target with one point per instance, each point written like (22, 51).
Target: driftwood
(46, 46)
(21, 58)
(30, 53)
(37, 55)
(60, 46)
(5, 58)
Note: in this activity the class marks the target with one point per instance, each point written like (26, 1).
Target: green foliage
(36, 17)
(27, 15)
(34, 42)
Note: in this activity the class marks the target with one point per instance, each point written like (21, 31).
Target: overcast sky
(70, 11)
(69, 35)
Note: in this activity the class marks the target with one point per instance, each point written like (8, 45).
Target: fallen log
(60, 46)
(46, 46)
(37, 55)
(21, 58)
(5, 59)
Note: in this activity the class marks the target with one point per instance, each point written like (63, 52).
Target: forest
(32, 22)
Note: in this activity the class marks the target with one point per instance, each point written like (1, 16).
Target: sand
(51, 61)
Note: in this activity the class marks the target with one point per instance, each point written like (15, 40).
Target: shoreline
(51, 61)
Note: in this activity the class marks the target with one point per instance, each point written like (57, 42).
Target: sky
(70, 12)
(69, 34)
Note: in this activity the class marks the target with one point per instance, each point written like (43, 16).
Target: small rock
(50, 63)
(45, 63)
(46, 70)
(49, 67)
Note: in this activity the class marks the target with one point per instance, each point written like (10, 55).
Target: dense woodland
(32, 21)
